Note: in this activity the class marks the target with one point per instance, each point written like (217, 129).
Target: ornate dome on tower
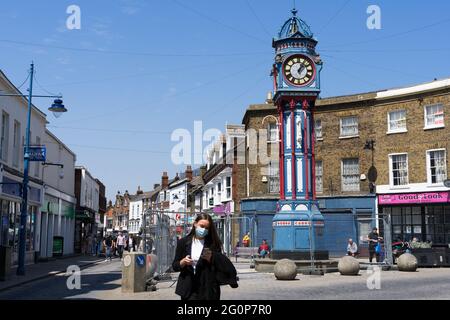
(295, 27)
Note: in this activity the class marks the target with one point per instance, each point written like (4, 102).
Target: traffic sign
(447, 183)
(140, 260)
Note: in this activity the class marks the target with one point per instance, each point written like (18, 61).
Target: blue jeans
(108, 253)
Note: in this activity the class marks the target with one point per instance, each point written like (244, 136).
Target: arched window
(272, 128)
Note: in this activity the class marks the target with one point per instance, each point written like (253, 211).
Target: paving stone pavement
(102, 281)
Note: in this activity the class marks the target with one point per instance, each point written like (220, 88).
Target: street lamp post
(57, 107)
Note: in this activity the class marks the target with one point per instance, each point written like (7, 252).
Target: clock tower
(298, 224)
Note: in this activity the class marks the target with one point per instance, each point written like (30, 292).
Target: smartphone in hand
(206, 254)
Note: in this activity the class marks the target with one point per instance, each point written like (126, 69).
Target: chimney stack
(269, 99)
(202, 171)
(139, 191)
(164, 180)
(156, 185)
(188, 173)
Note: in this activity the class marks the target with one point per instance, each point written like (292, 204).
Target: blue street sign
(37, 153)
(140, 260)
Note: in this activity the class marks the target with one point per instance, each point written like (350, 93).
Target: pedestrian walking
(202, 265)
(114, 246)
(120, 244)
(108, 243)
(84, 244)
(94, 246)
(374, 245)
(130, 244)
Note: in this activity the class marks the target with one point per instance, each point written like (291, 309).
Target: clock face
(299, 70)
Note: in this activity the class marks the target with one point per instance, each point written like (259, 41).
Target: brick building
(121, 211)
(378, 152)
(259, 189)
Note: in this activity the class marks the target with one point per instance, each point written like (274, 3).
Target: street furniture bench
(251, 252)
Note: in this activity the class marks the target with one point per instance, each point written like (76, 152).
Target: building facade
(376, 153)
(57, 226)
(411, 151)
(87, 192)
(12, 140)
(121, 212)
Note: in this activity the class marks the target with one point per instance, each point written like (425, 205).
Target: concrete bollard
(407, 262)
(285, 269)
(348, 266)
(134, 272)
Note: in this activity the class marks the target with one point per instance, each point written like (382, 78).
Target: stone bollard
(134, 272)
(348, 266)
(407, 262)
(285, 269)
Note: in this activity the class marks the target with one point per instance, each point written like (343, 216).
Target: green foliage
(421, 245)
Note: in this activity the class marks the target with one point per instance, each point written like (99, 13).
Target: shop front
(10, 205)
(425, 216)
(84, 226)
(57, 222)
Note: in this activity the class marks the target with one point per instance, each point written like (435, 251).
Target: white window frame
(428, 159)
(318, 138)
(219, 190)
(434, 126)
(319, 190)
(16, 144)
(272, 131)
(390, 130)
(391, 174)
(228, 188)
(4, 136)
(342, 136)
(273, 176)
(342, 176)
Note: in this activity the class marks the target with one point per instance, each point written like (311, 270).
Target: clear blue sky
(139, 69)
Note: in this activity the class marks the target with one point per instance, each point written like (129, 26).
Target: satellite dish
(447, 183)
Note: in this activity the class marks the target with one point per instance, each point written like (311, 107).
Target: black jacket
(373, 244)
(208, 277)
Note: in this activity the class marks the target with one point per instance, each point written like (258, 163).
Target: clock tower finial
(294, 12)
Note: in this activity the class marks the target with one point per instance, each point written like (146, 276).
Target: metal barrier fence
(339, 228)
(161, 230)
(159, 237)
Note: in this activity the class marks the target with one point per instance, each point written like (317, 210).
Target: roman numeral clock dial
(299, 70)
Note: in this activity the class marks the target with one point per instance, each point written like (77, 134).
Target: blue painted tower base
(298, 230)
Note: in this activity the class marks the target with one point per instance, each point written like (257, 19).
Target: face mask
(201, 232)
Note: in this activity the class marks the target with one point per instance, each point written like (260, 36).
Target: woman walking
(203, 268)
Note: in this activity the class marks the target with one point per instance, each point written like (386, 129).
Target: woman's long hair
(212, 239)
